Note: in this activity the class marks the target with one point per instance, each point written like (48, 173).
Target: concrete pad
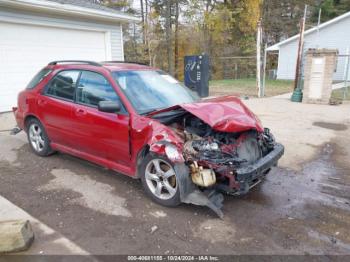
(15, 235)
(47, 241)
(7, 121)
(285, 96)
(294, 125)
(10, 145)
(94, 195)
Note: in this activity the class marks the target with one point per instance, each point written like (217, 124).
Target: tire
(165, 179)
(38, 140)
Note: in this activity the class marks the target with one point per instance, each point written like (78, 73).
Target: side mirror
(109, 106)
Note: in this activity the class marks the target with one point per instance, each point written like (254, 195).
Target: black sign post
(196, 74)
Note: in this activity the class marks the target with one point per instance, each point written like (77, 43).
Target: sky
(136, 4)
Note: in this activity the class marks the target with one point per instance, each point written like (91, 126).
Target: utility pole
(264, 70)
(297, 95)
(300, 49)
(258, 58)
(318, 26)
(346, 74)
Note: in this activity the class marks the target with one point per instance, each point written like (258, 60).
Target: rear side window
(38, 78)
(63, 85)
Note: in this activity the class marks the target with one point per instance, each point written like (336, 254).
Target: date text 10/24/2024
(172, 258)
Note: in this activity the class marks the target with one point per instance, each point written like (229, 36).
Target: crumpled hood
(226, 114)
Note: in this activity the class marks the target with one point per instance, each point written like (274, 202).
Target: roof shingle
(87, 4)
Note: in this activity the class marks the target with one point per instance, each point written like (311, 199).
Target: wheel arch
(28, 117)
(140, 156)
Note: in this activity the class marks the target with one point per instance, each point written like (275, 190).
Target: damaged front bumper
(190, 194)
(249, 176)
(246, 178)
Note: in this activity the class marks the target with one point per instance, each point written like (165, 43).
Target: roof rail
(75, 61)
(125, 62)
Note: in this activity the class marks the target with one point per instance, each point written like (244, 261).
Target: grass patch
(339, 93)
(247, 87)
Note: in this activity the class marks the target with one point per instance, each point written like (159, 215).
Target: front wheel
(159, 180)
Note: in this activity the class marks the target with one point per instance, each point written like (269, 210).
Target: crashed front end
(223, 149)
(231, 163)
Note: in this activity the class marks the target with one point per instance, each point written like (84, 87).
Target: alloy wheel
(161, 179)
(36, 137)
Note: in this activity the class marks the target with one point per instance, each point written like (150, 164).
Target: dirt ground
(303, 207)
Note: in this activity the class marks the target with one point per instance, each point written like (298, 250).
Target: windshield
(152, 90)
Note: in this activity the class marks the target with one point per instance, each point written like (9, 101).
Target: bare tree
(176, 52)
(143, 22)
(169, 36)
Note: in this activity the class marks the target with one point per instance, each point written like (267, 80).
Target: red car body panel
(115, 140)
(110, 140)
(56, 114)
(226, 114)
(151, 133)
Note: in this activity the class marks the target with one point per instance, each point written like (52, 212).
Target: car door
(55, 106)
(103, 135)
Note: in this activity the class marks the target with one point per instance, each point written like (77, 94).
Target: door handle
(80, 112)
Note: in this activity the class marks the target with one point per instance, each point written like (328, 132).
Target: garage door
(25, 49)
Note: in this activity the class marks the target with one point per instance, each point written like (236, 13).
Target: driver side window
(93, 88)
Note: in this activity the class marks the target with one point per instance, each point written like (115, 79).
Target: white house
(35, 32)
(334, 34)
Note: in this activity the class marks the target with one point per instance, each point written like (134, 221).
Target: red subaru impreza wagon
(141, 122)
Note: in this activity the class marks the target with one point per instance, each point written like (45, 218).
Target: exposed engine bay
(220, 152)
(227, 162)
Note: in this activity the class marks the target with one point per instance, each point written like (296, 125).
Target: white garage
(35, 32)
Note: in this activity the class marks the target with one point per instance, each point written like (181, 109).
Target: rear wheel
(159, 180)
(37, 138)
